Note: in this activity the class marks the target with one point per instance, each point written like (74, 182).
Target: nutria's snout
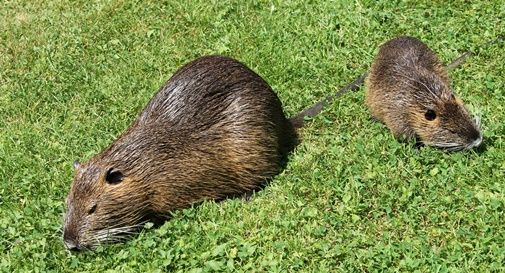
(476, 143)
(448, 125)
(474, 135)
(71, 241)
(71, 238)
(469, 139)
(70, 234)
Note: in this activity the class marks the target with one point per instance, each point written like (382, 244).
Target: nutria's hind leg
(288, 139)
(375, 111)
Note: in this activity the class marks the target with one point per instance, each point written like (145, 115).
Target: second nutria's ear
(77, 165)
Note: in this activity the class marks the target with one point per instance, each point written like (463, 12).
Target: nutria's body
(409, 90)
(215, 130)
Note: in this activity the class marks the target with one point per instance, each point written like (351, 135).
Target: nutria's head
(101, 206)
(439, 118)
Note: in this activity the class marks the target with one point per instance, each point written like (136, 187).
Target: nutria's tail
(462, 58)
(299, 120)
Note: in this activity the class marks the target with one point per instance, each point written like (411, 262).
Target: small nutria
(409, 90)
(214, 130)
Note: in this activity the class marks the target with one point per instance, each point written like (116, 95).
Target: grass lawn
(74, 75)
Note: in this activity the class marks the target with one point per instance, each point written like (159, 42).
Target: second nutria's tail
(299, 120)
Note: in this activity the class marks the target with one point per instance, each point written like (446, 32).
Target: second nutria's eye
(114, 176)
(430, 115)
(92, 210)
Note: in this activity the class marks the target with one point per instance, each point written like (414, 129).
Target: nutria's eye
(114, 176)
(92, 210)
(430, 115)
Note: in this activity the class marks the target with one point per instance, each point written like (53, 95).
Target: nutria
(214, 130)
(409, 90)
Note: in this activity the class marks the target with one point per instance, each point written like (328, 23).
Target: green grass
(73, 76)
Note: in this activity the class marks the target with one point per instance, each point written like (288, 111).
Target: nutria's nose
(475, 138)
(71, 245)
(70, 242)
(476, 142)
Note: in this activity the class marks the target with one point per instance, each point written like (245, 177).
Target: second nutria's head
(101, 205)
(437, 117)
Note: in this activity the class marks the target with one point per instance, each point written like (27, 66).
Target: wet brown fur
(405, 81)
(214, 130)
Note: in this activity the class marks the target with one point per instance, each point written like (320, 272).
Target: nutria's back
(409, 90)
(408, 54)
(216, 129)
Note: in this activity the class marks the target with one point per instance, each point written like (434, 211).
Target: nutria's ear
(77, 165)
(114, 176)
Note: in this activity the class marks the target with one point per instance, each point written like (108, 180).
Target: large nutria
(214, 130)
(409, 90)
